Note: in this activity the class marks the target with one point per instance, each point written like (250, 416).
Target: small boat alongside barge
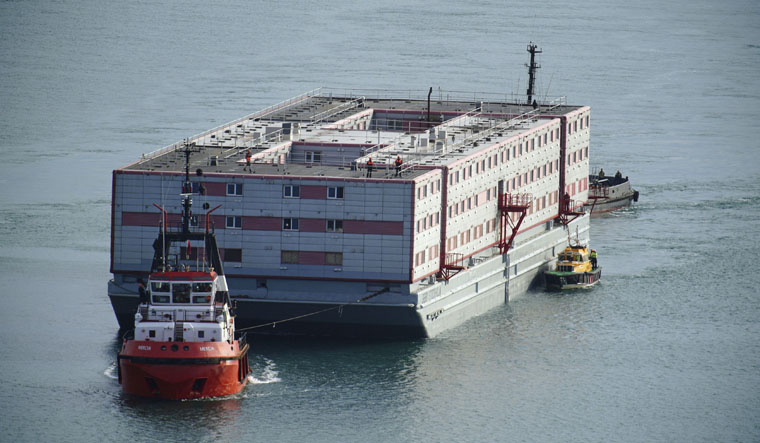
(609, 193)
(576, 268)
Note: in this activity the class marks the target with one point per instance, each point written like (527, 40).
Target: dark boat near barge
(609, 193)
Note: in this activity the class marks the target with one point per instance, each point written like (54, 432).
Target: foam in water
(268, 375)
(111, 372)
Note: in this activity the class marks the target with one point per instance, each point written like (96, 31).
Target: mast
(187, 189)
(533, 49)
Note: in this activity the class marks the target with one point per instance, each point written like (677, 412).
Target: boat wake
(268, 374)
(111, 372)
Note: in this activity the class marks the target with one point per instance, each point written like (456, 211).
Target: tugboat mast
(533, 49)
(187, 189)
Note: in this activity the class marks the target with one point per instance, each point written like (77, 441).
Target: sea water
(667, 348)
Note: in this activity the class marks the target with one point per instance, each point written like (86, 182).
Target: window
(160, 298)
(334, 225)
(181, 292)
(290, 224)
(202, 287)
(234, 222)
(289, 257)
(335, 192)
(159, 286)
(234, 189)
(203, 299)
(232, 255)
(334, 258)
(313, 157)
(291, 191)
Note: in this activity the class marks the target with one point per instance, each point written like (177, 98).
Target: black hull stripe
(177, 361)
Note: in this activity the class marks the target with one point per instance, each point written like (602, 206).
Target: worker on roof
(601, 173)
(398, 164)
(370, 167)
(248, 161)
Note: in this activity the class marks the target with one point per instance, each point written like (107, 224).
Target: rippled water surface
(666, 349)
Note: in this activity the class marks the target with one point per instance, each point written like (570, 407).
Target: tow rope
(332, 308)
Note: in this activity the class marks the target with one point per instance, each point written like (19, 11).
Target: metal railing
(324, 115)
(166, 313)
(508, 124)
(258, 114)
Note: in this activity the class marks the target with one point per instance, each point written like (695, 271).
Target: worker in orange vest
(370, 167)
(398, 164)
(247, 161)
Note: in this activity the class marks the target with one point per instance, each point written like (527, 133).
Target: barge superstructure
(479, 207)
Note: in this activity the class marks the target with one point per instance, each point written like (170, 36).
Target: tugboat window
(181, 292)
(159, 286)
(160, 298)
(201, 287)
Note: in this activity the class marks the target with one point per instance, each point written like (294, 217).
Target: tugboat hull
(177, 370)
(572, 280)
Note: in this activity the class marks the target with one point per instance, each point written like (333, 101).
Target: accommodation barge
(316, 242)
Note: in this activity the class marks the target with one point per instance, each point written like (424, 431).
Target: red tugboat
(183, 345)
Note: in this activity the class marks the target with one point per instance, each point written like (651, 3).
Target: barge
(367, 213)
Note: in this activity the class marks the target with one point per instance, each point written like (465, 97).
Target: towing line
(338, 307)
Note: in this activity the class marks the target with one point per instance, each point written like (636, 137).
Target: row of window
(573, 127)
(471, 234)
(289, 191)
(294, 191)
(577, 156)
(531, 176)
(578, 186)
(429, 189)
(288, 223)
(428, 222)
(492, 160)
(294, 258)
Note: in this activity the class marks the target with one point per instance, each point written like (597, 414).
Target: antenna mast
(187, 188)
(533, 49)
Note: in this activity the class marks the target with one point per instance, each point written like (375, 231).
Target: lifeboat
(576, 268)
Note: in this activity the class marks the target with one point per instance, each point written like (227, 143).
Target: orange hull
(182, 370)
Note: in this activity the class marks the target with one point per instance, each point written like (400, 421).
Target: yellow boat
(575, 269)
